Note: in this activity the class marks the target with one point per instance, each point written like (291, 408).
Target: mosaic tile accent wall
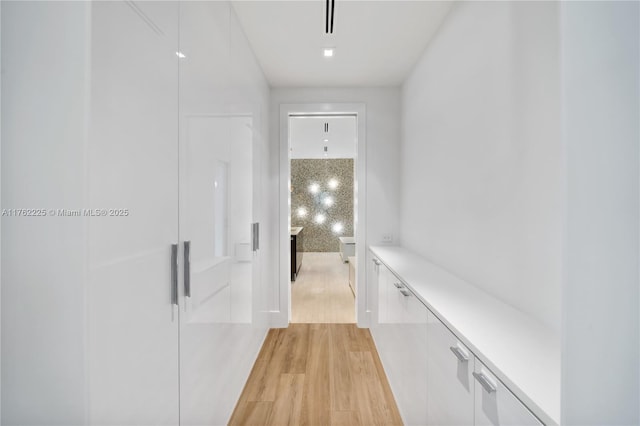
(322, 201)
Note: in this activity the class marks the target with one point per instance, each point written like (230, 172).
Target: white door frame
(284, 216)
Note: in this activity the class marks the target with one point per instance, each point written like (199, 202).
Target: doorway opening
(324, 170)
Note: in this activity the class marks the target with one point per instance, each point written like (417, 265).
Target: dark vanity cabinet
(296, 251)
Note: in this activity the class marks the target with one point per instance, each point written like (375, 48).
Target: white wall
(601, 113)
(383, 136)
(44, 53)
(481, 155)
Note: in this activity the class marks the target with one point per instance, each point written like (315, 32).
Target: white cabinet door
(383, 302)
(411, 383)
(495, 404)
(132, 333)
(449, 377)
(372, 291)
(220, 331)
(395, 300)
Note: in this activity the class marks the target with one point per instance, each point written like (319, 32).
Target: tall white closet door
(216, 213)
(133, 173)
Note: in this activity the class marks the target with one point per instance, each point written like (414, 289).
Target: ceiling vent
(328, 18)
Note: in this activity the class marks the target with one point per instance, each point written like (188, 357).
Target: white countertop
(296, 230)
(347, 240)
(521, 351)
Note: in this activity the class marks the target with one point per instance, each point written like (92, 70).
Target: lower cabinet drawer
(495, 404)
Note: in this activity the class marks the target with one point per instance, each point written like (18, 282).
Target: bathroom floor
(321, 292)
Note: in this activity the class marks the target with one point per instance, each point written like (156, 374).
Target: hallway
(317, 374)
(321, 293)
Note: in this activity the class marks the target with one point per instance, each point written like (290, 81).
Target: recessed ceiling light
(326, 140)
(180, 55)
(328, 52)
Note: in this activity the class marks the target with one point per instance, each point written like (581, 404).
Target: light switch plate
(387, 238)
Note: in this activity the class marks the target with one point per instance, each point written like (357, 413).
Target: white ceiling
(308, 137)
(377, 43)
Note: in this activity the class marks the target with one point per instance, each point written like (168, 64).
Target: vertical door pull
(485, 382)
(187, 268)
(174, 274)
(255, 236)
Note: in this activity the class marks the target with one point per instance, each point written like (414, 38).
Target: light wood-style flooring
(321, 292)
(317, 374)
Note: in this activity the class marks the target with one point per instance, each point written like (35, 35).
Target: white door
(495, 405)
(449, 379)
(133, 173)
(217, 333)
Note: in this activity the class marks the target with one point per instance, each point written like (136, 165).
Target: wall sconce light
(328, 201)
(314, 188)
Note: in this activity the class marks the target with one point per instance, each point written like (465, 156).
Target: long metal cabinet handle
(485, 382)
(187, 268)
(398, 285)
(462, 357)
(405, 293)
(174, 274)
(255, 236)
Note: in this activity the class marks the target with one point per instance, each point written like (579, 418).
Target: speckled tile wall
(322, 201)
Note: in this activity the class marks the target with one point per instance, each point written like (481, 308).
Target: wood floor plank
(297, 342)
(316, 405)
(335, 376)
(288, 404)
(263, 379)
(340, 374)
(252, 413)
(345, 418)
(375, 406)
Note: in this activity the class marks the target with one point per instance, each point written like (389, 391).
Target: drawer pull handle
(459, 353)
(405, 293)
(376, 261)
(398, 285)
(485, 382)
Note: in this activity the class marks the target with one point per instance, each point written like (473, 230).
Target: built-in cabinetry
(439, 376)
(136, 299)
(347, 247)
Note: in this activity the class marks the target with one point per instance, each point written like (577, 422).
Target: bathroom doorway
(324, 175)
(322, 163)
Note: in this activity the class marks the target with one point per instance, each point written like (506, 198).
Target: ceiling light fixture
(333, 183)
(320, 218)
(328, 52)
